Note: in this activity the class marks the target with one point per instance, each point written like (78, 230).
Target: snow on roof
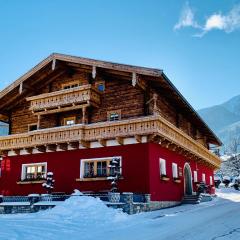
(226, 157)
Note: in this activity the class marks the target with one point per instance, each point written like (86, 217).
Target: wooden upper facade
(68, 102)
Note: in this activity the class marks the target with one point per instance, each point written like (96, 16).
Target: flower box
(165, 178)
(177, 180)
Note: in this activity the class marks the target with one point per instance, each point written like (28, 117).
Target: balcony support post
(84, 115)
(38, 121)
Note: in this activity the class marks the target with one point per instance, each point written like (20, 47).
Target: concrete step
(191, 199)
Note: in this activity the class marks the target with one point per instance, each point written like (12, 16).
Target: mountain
(224, 119)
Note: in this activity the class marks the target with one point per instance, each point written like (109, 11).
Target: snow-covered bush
(236, 183)
(115, 171)
(49, 184)
(226, 180)
(217, 181)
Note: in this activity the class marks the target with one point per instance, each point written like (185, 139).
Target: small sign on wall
(180, 171)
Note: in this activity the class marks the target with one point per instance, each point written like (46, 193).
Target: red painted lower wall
(66, 168)
(169, 190)
(140, 170)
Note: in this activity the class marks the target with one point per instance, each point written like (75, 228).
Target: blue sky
(195, 42)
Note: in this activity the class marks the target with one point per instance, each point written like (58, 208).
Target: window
(204, 177)
(69, 121)
(98, 167)
(71, 85)
(211, 180)
(175, 170)
(162, 164)
(34, 171)
(32, 127)
(100, 86)
(114, 115)
(195, 176)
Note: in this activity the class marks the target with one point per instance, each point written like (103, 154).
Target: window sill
(31, 182)
(94, 179)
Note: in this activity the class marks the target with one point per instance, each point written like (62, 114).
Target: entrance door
(187, 179)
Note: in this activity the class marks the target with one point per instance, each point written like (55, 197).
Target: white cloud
(227, 23)
(216, 21)
(186, 19)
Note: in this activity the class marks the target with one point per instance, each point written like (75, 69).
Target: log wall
(119, 95)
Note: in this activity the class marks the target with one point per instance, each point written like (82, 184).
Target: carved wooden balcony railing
(155, 127)
(65, 99)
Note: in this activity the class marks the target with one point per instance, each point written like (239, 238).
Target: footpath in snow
(82, 217)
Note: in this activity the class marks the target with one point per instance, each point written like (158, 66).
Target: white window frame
(162, 166)
(195, 176)
(211, 180)
(174, 170)
(24, 166)
(82, 161)
(204, 177)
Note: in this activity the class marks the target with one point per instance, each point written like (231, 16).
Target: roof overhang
(51, 62)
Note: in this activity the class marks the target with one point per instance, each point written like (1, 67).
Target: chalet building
(72, 115)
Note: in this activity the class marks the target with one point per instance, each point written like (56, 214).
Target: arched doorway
(187, 180)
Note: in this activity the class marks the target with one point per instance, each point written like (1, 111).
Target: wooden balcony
(144, 129)
(65, 99)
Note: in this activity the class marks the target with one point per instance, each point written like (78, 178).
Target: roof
(151, 72)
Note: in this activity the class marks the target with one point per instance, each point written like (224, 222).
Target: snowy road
(88, 218)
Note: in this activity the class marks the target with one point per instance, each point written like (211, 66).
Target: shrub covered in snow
(226, 180)
(49, 185)
(115, 170)
(217, 181)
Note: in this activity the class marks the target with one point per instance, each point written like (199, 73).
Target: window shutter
(163, 167)
(195, 176)
(174, 170)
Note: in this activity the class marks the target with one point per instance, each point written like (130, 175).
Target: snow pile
(226, 178)
(79, 217)
(229, 194)
(85, 209)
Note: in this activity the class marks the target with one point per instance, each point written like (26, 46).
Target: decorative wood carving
(62, 99)
(155, 127)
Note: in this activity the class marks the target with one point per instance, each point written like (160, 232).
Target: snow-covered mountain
(224, 119)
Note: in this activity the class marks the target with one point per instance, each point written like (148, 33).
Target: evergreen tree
(115, 172)
(49, 184)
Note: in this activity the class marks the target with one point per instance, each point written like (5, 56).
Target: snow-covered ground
(88, 218)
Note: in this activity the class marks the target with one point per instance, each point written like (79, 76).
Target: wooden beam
(119, 140)
(19, 98)
(102, 142)
(59, 109)
(134, 79)
(62, 146)
(4, 118)
(84, 143)
(94, 72)
(138, 138)
(21, 88)
(53, 64)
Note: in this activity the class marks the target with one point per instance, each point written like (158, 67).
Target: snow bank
(85, 209)
(229, 194)
(86, 218)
